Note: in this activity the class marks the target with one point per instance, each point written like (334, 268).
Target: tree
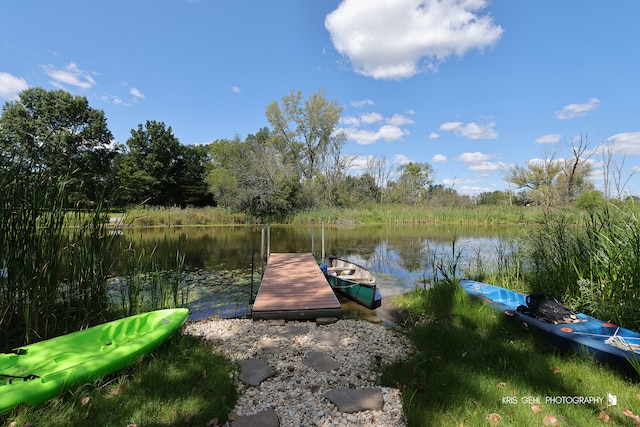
(304, 131)
(153, 168)
(251, 176)
(58, 134)
(413, 184)
(550, 181)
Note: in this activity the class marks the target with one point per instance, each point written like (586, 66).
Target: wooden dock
(293, 287)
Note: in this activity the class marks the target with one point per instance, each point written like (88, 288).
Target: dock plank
(293, 287)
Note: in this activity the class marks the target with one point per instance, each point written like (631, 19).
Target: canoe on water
(37, 372)
(353, 281)
(573, 331)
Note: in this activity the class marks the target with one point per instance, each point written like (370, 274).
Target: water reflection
(402, 257)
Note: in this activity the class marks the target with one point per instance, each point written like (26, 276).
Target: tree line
(297, 162)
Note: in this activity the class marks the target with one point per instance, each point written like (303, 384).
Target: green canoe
(38, 372)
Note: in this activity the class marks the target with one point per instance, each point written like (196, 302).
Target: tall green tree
(551, 181)
(250, 176)
(60, 135)
(153, 168)
(413, 184)
(304, 131)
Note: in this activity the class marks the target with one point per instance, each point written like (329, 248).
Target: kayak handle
(18, 377)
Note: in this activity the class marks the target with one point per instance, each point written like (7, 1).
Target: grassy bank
(185, 382)
(476, 367)
(370, 214)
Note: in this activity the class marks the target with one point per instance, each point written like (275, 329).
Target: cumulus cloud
(397, 39)
(136, 93)
(236, 89)
(439, 158)
(369, 118)
(399, 120)
(11, 86)
(471, 130)
(401, 159)
(474, 157)
(575, 110)
(549, 139)
(362, 103)
(626, 143)
(69, 75)
(388, 133)
(356, 127)
(434, 135)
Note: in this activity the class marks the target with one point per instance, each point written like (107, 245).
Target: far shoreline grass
(480, 215)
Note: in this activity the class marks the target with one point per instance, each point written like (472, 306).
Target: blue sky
(470, 86)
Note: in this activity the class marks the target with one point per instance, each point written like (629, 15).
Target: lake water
(219, 260)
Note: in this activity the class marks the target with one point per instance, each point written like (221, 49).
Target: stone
(291, 331)
(323, 321)
(270, 345)
(349, 400)
(321, 362)
(329, 339)
(254, 371)
(268, 418)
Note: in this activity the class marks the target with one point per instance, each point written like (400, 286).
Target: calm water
(400, 256)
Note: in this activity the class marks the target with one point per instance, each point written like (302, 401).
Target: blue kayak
(582, 333)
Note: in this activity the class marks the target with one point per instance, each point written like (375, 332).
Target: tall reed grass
(56, 262)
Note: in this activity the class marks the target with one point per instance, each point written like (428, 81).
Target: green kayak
(38, 372)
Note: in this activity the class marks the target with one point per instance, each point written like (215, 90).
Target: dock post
(262, 257)
(313, 238)
(322, 239)
(268, 240)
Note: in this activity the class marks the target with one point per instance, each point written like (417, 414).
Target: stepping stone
(293, 331)
(268, 418)
(331, 339)
(254, 371)
(321, 362)
(350, 400)
(320, 321)
(270, 345)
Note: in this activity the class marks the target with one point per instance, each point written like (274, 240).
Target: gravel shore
(296, 391)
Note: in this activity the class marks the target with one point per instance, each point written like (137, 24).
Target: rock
(355, 400)
(321, 362)
(254, 371)
(267, 418)
(323, 321)
(330, 339)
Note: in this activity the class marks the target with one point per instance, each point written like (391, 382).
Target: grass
(370, 214)
(184, 382)
(474, 366)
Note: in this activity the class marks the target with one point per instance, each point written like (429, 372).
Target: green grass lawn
(474, 366)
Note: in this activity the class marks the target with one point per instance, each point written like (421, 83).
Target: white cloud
(439, 158)
(69, 75)
(626, 143)
(549, 139)
(397, 39)
(487, 167)
(350, 121)
(236, 89)
(471, 130)
(362, 103)
(11, 86)
(401, 159)
(399, 120)
(136, 93)
(474, 157)
(369, 118)
(434, 135)
(575, 110)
